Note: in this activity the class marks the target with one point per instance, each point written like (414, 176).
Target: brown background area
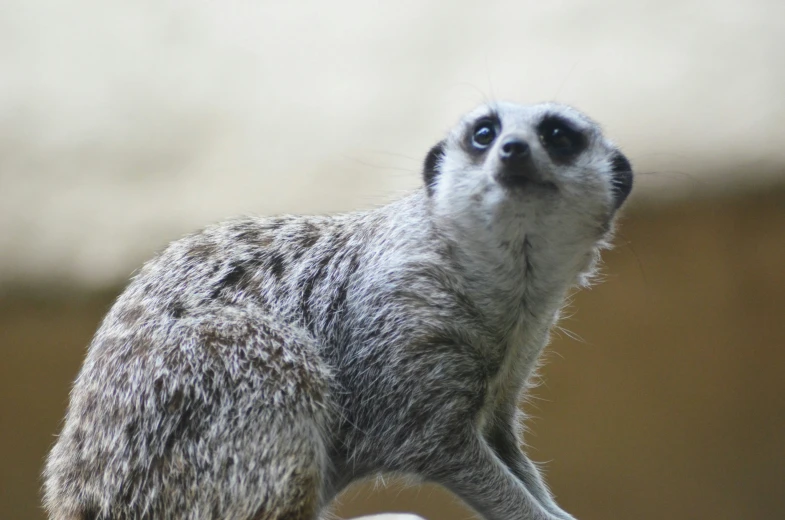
(671, 406)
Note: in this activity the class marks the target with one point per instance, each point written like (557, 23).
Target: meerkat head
(523, 168)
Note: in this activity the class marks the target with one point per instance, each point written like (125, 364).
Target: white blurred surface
(125, 124)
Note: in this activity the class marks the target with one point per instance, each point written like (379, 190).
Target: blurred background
(124, 125)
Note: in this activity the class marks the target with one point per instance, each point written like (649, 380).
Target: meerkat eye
(559, 138)
(484, 134)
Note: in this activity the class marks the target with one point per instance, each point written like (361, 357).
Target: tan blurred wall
(672, 406)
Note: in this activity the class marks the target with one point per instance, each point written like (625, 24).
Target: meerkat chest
(519, 360)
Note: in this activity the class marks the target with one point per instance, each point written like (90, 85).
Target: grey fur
(254, 369)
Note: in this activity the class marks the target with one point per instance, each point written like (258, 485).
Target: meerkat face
(527, 163)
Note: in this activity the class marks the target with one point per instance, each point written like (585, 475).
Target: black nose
(515, 152)
(518, 167)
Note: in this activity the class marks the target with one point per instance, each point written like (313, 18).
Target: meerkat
(253, 370)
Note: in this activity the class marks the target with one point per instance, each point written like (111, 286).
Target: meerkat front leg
(503, 439)
(479, 477)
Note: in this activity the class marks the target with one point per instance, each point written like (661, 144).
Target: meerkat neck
(514, 273)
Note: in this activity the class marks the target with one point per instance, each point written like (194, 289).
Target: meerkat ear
(431, 166)
(622, 178)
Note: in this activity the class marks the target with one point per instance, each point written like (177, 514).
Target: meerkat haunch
(255, 369)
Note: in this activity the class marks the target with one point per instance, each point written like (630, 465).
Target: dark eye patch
(561, 139)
